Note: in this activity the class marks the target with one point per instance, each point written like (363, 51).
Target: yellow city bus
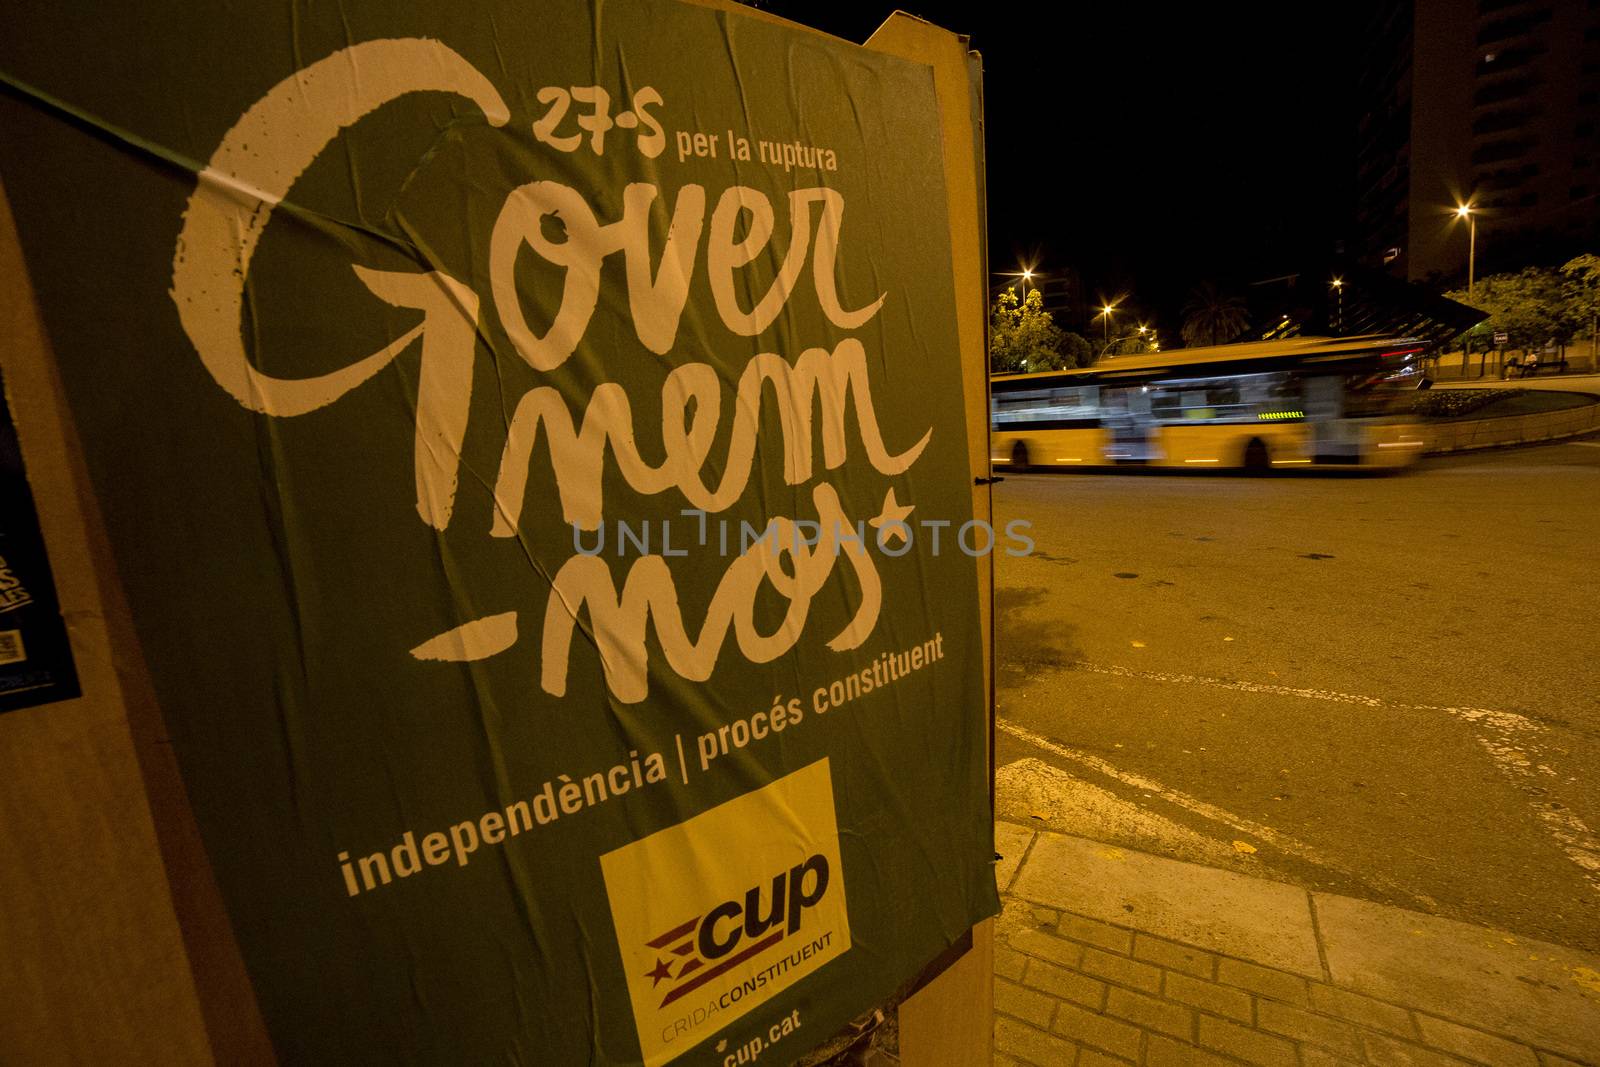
(1303, 402)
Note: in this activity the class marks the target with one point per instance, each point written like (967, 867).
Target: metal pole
(1472, 250)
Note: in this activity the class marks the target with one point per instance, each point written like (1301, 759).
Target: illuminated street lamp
(1023, 276)
(1155, 345)
(1338, 289)
(1466, 211)
(1106, 311)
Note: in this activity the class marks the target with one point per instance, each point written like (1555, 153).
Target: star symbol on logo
(663, 969)
(893, 512)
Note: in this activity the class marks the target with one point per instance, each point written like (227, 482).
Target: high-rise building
(1495, 103)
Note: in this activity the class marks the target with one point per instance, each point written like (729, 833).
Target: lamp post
(1465, 211)
(1155, 344)
(1027, 276)
(1338, 290)
(1106, 311)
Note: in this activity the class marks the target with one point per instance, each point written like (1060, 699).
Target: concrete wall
(1463, 434)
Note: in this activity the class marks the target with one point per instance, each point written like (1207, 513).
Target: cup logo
(718, 914)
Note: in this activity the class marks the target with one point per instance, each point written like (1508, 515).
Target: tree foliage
(1537, 305)
(1076, 351)
(1212, 317)
(1024, 337)
(1132, 344)
(1583, 280)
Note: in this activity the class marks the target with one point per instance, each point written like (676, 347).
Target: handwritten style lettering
(280, 136)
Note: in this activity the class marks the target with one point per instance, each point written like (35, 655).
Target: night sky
(1152, 146)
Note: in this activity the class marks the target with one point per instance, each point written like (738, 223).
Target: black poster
(35, 658)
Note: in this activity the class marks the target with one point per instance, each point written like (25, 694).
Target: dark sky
(1151, 146)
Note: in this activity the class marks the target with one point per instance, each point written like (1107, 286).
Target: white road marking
(1505, 736)
(1281, 842)
(1030, 789)
(1504, 720)
(1579, 843)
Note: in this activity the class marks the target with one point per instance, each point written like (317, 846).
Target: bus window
(1366, 395)
(1045, 408)
(1208, 401)
(1285, 391)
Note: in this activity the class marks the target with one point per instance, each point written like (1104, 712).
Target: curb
(1470, 434)
(1156, 961)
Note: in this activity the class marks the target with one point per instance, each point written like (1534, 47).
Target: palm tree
(1211, 318)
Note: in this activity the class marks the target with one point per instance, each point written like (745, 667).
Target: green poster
(531, 439)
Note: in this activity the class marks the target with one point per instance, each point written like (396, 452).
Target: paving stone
(1008, 963)
(1216, 910)
(1046, 946)
(1094, 932)
(1088, 1057)
(1279, 985)
(1174, 957)
(1311, 1056)
(1214, 998)
(1330, 1000)
(1150, 1013)
(1121, 970)
(1473, 1044)
(1100, 1031)
(1029, 1005)
(1165, 1052)
(1044, 918)
(1032, 1046)
(1068, 985)
(1550, 1059)
(1014, 915)
(1011, 841)
(1526, 989)
(1387, 1052)
(1251, 1046)
(1333, 1034)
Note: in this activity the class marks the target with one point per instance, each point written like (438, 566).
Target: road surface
(1383, 686)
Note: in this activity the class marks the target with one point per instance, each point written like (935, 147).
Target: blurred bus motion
(1301, 403)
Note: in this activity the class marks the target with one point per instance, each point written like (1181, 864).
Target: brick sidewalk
(1076, 987)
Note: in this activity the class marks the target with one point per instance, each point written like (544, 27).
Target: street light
(1338, 289)
(1106, 311)
(1025, 275)
(1466, 211)
(1155, 345)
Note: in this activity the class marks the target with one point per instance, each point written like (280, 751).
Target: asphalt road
(1382, 686)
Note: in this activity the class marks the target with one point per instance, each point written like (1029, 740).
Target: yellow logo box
(719, 914)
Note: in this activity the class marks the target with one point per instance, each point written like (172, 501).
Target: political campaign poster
(530, 438)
